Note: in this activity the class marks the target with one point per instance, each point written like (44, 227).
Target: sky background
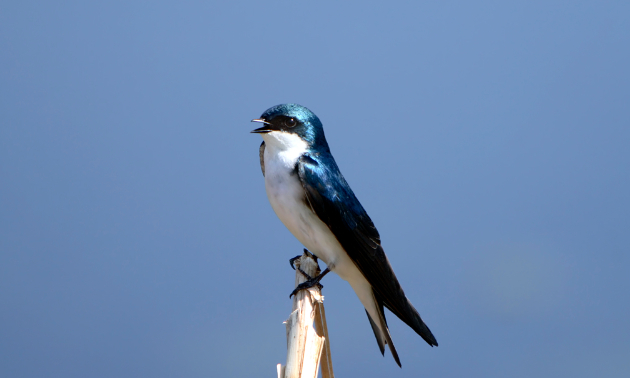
(489, 142)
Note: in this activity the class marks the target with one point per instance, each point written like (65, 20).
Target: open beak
(262, 130)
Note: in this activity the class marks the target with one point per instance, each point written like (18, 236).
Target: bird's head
(293, 119)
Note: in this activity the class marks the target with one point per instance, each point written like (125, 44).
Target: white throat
(283, 148)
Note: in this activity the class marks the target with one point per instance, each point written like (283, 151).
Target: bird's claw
(307, 285)
(310, 282)
(291, 261)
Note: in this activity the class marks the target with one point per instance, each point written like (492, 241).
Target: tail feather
(385, 330)
(377, 333)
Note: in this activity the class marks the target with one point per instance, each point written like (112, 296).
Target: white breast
(287, 198)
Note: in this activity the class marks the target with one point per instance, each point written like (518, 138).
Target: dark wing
(261, 155)
(335, 204)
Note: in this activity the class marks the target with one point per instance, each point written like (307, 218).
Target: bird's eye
(290, 122)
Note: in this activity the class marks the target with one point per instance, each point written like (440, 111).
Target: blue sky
(488, 141)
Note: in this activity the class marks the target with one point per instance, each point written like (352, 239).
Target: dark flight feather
(331, 198)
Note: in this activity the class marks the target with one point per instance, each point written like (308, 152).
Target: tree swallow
(313, 200)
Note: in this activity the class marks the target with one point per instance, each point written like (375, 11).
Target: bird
(313, 200)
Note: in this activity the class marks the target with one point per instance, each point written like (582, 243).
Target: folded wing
(331, 198)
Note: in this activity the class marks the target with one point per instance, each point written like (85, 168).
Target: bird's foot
(312, 281)
(291, 261)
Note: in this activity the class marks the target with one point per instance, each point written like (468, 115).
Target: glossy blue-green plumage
(310, 128)
(322, 168)
(335, 204)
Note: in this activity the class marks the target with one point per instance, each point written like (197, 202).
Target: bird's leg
(312, 281)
